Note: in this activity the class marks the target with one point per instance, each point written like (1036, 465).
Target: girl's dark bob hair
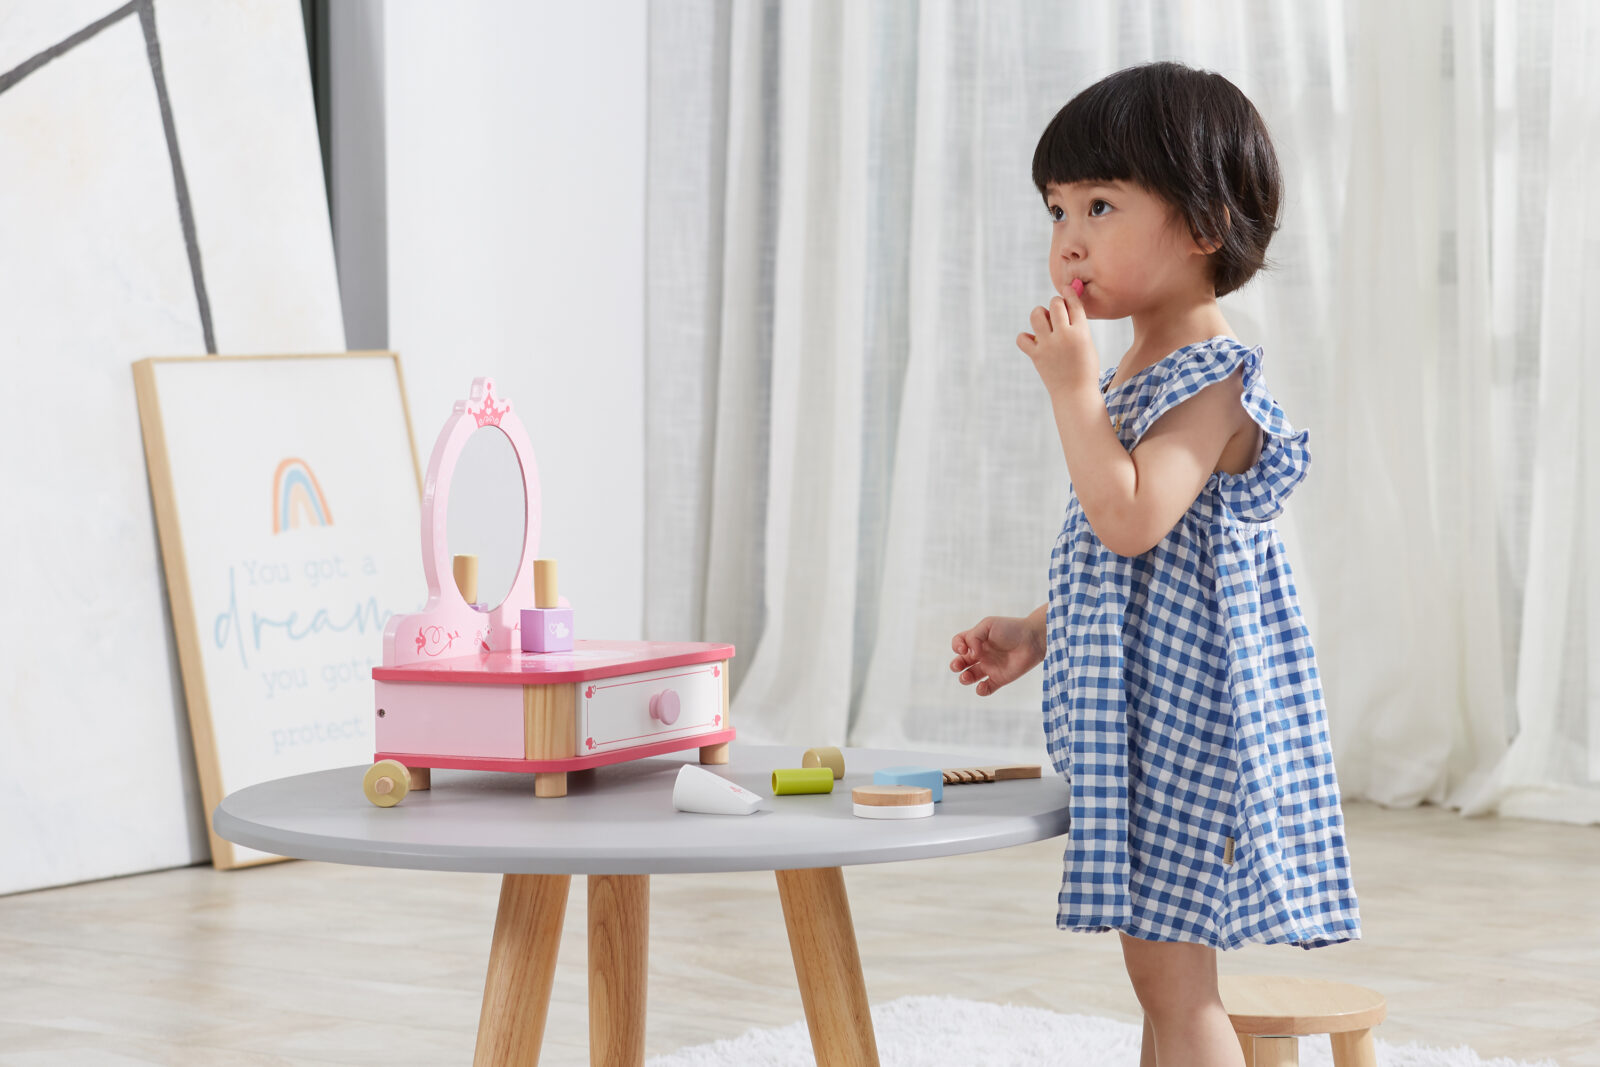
(1188, 136)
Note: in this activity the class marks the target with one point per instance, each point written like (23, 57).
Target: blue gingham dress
(1183, 706)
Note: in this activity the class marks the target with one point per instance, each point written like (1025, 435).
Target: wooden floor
(1481, 932)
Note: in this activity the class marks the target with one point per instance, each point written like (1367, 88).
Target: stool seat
(1281, 1006)
(1270, 1013)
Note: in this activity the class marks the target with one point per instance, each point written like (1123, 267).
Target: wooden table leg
(619, 962)
(1354, 1049)
(822, 940)
(1276, 1052)
(522, 968)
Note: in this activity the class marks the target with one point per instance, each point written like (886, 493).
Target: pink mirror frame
(448, 627)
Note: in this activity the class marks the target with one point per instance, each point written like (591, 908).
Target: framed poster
(287, 499)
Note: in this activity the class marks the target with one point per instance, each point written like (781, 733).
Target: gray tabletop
(620, 820)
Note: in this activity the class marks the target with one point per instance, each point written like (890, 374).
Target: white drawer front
(614, 713)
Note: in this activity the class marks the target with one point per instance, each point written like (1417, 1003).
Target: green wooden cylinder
(790, 780)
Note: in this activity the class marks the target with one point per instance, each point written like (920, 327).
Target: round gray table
(617, 826)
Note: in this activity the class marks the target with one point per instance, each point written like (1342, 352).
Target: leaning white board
(287, 493)
(106, 258)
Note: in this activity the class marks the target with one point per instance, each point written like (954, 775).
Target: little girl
(1182, 702)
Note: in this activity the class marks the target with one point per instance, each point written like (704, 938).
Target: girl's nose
(1068, 241)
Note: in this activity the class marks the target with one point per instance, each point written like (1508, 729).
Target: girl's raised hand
(998, 650)
(1060, 345)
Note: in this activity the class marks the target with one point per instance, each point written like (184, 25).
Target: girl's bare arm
(1132, 500)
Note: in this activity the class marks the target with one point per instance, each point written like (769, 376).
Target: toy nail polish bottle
(546, 627)
(465, 569)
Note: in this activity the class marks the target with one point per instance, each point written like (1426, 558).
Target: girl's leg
(1147, 1045)
(1177, 986)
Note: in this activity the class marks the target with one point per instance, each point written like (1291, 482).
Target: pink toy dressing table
(456, 690)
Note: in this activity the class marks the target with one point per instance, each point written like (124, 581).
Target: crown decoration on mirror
(488, 413)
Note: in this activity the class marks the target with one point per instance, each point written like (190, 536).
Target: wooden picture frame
(279, 611)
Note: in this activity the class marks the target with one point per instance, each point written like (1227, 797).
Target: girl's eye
(1056, 214)
(1098, 208)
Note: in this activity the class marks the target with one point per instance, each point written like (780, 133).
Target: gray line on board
(147, 20)
(28, 66)
(147, 23)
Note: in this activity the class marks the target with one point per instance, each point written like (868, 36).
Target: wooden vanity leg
(822, 940)
(522, 968)
(619, 962)
(548, 722)
(420, 778)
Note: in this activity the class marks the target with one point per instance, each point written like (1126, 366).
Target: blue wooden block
(928, 777)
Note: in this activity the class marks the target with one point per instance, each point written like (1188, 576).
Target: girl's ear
(1209, 245)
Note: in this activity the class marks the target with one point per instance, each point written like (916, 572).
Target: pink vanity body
(457, 691)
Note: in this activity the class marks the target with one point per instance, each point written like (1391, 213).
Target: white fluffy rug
(935, 1031)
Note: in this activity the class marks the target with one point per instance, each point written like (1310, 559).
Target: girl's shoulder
(1179, 363)
(1187, 371)
(1285, 455)
(1193, 367)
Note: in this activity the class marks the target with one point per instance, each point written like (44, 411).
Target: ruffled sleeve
(1259, 494)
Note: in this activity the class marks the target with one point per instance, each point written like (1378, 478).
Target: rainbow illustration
(297, 499)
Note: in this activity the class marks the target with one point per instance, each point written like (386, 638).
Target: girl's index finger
(1074, 301)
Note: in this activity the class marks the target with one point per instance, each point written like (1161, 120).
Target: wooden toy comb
(969, 775)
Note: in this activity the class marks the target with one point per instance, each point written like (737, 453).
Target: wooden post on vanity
(550, 732)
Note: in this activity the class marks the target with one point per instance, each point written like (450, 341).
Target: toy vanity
(509, 688)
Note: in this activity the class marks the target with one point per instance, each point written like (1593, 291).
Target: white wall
(515, 183)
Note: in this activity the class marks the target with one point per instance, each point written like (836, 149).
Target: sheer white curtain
(849, 461)
(1552, 769)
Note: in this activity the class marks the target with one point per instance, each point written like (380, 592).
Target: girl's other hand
(998, 650)
(1060, 346)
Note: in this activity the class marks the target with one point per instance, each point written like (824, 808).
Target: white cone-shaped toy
(699, 790)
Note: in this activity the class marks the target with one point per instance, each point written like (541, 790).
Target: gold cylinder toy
(465, 568)
(825, 757)
(545, 592)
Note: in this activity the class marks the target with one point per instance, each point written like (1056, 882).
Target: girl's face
(1129, 247)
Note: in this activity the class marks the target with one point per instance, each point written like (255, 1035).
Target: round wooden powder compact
(892, 801)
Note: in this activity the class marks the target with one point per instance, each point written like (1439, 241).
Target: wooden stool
(1271, 1013)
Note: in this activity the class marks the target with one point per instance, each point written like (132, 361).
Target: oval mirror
(487, 513)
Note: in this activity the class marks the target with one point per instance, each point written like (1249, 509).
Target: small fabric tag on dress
(1227, 852)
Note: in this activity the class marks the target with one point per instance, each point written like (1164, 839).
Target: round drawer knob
(664, 707)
